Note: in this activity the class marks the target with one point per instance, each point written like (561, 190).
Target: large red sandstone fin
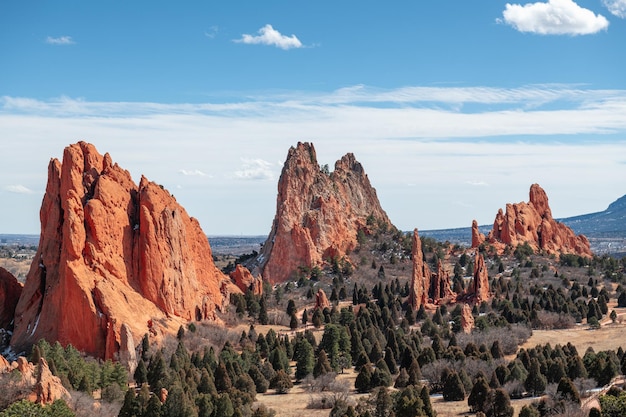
(112, 257)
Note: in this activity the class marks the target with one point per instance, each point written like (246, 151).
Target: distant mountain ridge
(608, 223)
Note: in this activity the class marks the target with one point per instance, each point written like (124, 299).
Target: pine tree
(478, 396)
(291, 307)
(322, 365)
(535, 382)
(141, 373)
(501, 406)
(363, 382)
(567, 390)
(305, 360)
(453, 389)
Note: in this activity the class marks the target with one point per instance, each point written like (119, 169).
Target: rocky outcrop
(441, 286)
(421, 275)
(318, 214)
(10, 291)
(478, 290)
(112, 253)
(321, 301)
(477, 237)
(244, 280)
(37, 381)
(532, 223)
(467, 319)
(48, 388)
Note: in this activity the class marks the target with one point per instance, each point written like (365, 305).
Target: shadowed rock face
(318, 214)
(112, 253)
(10, 291)
(532, 223)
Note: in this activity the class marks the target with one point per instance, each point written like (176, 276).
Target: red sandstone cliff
(318, 214)
(10, 291)
(112, 253)
(532, 223)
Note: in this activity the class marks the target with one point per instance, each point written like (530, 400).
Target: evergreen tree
(427, 406)
(291, 307)
(384, 404)
(363, 382)
(478, 396)
(263, 319)
(322, 365)
(535, 382)
(293, 322)
(453, 389)
(305, 318)
(567, 390)
(501, 406)
(305, 360)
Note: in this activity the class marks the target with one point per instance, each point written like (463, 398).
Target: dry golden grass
(18, 267)
(609, 336)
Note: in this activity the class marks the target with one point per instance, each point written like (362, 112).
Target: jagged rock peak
(318, 213)
(110, 254)
(532, 223)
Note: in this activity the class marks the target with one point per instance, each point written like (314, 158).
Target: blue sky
(454, 108)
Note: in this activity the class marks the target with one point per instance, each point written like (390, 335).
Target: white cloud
(616, 7)
(18, 189)
(477, 183)
(255, 169)
(556, 17)
(192, 173)
(61, 40)
(270, 36)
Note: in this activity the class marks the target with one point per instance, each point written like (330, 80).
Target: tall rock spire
(318, 213)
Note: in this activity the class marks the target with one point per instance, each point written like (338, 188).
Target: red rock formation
(420, 279)
(245, 281)
(477, 237)
(10, 291)
(112, 253)
(48, 388)
(467, 319)
(44, 387)
(318, 213)
(479, 289)
(321, 301)
(532, 223)
(441, 287)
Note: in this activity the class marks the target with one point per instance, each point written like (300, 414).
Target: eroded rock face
(36, 382)
(479, 288)
(467, 319)
(48, 388)
(532, 223)
(112, 253)
(244, 280)
(318, 213)
(477, 237)
(441, 288)
(10, 291)
(421, 275)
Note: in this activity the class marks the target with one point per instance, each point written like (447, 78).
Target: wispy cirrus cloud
(555, 17)
(18, 189)
(192, 173)
(616, 7)
(267, 35)
(60, 40)
(255, 169)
